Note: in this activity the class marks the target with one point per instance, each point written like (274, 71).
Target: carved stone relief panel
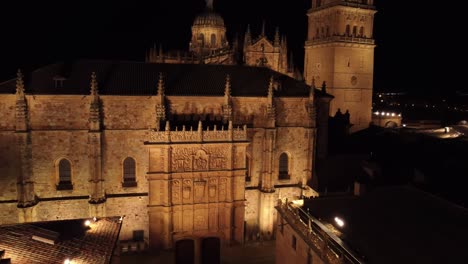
(200, 220)
(187, 190)
(201, 160)
(176, 196)
(222, 189)
(196, 159)
(199, 195)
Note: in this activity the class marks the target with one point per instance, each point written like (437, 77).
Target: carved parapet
(199, 135)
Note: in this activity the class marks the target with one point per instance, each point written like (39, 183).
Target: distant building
(93, 241)
(209, 45)
(387, 225)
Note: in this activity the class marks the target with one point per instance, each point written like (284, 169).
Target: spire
(94, 107)
(160, 101)
(19, 84)
(277, 37)
(21, 116)
(271, 111)
(227, 87)
(94, 84)
(209, 4)
(227, 108)
(263, 29)
(248, 37)
(161, 87)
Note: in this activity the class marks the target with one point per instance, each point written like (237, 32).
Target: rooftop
(398, 225)
(56, 241)
(139, 78)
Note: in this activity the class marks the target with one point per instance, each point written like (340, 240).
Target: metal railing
(332, 249)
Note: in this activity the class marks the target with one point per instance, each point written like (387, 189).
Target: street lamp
(339, 221)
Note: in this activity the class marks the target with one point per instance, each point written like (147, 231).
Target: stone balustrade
(209, 135)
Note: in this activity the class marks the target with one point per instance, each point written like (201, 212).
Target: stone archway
(391, 124)
(211, 250)
(185, 251)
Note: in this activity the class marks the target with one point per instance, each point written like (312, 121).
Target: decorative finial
(324, 86)
(277, 37)
(209, 4)
(161, 84)
(248, 37)
(94, 84)
(227, 87)
(19, 83)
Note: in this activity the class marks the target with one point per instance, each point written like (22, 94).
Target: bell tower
(340, 51)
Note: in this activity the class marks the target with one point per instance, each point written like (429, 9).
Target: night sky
(36, 33)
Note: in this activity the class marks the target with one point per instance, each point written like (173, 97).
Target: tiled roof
(138, 78)
(76, 242)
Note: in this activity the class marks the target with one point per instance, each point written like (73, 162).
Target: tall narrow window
(354, 31)
(64, 175)
(248, 175)
(348, 30)
(319, 3)
(129, 174)
(293, 242)
(213, 40)
(284, 167)
(317, 33)
(328, 31)
(361, 32)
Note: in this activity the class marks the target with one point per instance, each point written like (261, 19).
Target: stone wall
(9, 166)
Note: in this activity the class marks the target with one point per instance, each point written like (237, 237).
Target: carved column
(269, 143)
(97, 195)
(25, 184)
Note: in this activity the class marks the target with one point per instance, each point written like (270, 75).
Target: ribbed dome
(209, 18)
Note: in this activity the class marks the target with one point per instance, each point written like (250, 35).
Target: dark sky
(35, 33)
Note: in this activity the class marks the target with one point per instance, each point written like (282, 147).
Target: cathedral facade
(186, 149)
(182, 151)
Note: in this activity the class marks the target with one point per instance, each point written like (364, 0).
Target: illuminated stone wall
(60, 128)
(340, 50)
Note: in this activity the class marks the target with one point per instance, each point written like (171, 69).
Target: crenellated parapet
(216, 134)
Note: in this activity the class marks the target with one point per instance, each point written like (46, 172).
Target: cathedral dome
(209, 18)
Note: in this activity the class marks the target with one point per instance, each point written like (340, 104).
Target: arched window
(201, 39)
(361, 32)
(129, 173)
(248, 174)
(354, 31)
(284, 167)
(213, 40)
(348, 30)
(64, 175)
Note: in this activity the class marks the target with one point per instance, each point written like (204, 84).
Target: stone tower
(340, 51)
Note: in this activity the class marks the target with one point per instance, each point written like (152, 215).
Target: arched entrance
(211, 250)
(391, 124)
(185, 251)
